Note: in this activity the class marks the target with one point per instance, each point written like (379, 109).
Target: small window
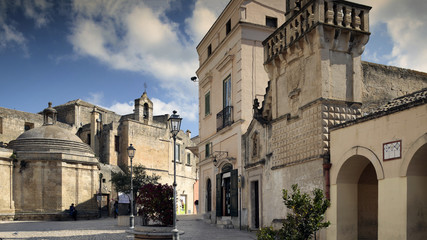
(177, 152)
(1, 125)
(209, 50)
(271, 22)
(207, 103)
(88, 139)
(207, 150)
(228, 27)
(28, 126)
(188, 159)
(146, 111)
(117, 143)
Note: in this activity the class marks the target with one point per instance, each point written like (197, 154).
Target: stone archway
(417, 194)
(357, 199)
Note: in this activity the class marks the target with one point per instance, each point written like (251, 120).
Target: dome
(50, 138)
(50, 132)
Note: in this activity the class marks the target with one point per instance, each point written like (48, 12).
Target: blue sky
(104, 51)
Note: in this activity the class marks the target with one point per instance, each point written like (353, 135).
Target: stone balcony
(310, 13)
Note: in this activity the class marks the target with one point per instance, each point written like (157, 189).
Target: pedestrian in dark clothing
(116, 209)
(73, 212)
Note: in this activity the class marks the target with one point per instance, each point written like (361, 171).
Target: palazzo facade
(315, 82)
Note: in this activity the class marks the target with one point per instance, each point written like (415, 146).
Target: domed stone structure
(53, 169)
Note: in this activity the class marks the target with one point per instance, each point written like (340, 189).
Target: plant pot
(153, 232)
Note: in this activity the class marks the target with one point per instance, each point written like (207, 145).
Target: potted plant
(156, 210)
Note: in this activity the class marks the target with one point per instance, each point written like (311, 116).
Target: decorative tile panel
(392, 150)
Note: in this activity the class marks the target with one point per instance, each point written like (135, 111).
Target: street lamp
(100, 195)
(131, 154)
(175, 125)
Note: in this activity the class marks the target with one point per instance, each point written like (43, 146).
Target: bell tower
(144, 109)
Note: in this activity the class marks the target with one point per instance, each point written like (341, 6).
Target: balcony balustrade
(341, 14)
(224, 118)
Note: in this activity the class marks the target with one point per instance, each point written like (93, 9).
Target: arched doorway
(208, 195)
(226, 191)
(357, 199)
(417, 195)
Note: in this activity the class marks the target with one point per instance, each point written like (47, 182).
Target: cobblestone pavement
(106, 228)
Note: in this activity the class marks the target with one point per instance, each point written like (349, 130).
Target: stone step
(225, 226)
(224, 222)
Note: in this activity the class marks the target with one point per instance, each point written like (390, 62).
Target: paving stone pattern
(107, 228)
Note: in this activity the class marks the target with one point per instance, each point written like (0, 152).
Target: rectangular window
(271, 22)
(207, 150)
(177, 152)
(207, 103)
(188, 159)
(228, 27)
(209, 50)
(88, 139)
(227, 92)
(28, 126)
(1, 125)
(117, 143)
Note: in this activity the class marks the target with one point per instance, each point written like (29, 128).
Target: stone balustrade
(340, 14)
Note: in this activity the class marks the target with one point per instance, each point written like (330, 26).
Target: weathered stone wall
(13, 123)
(66, 114)
(154, 150)
(382, 83)
(37, 186)
(7, 208)
(49, 186)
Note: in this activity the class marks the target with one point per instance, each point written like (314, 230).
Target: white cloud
(406, 23)
(122, 108)
(204, 15)
(137, 36)
(10, 35)
(95, 98)
(37, 10)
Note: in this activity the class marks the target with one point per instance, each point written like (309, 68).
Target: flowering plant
(156, 202)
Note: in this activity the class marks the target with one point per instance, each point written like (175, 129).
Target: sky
(108, 52)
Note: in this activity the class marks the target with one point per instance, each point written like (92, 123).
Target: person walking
(73, 212)
(116, 209)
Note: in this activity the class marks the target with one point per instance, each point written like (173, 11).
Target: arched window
(146, 111)
(255, 144)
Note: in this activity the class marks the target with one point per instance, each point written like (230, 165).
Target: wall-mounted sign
(392, 150)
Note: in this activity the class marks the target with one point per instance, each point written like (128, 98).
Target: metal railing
(224, 118)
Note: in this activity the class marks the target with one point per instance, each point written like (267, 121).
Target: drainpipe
(326, 169)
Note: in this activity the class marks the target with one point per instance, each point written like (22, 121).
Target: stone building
(51, 169)
(108, 135)
(379, 174)
(316, 80)
(230, 76)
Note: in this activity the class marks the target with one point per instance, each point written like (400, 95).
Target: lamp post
(131, 153)
(100, 195)
(175, 125)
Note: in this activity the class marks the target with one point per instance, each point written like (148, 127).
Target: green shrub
(266, 233)
(307, 216)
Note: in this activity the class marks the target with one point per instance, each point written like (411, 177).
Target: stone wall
(7, 208)
(12, 123)
(382, 83)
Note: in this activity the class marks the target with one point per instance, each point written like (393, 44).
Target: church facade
(107, 135)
